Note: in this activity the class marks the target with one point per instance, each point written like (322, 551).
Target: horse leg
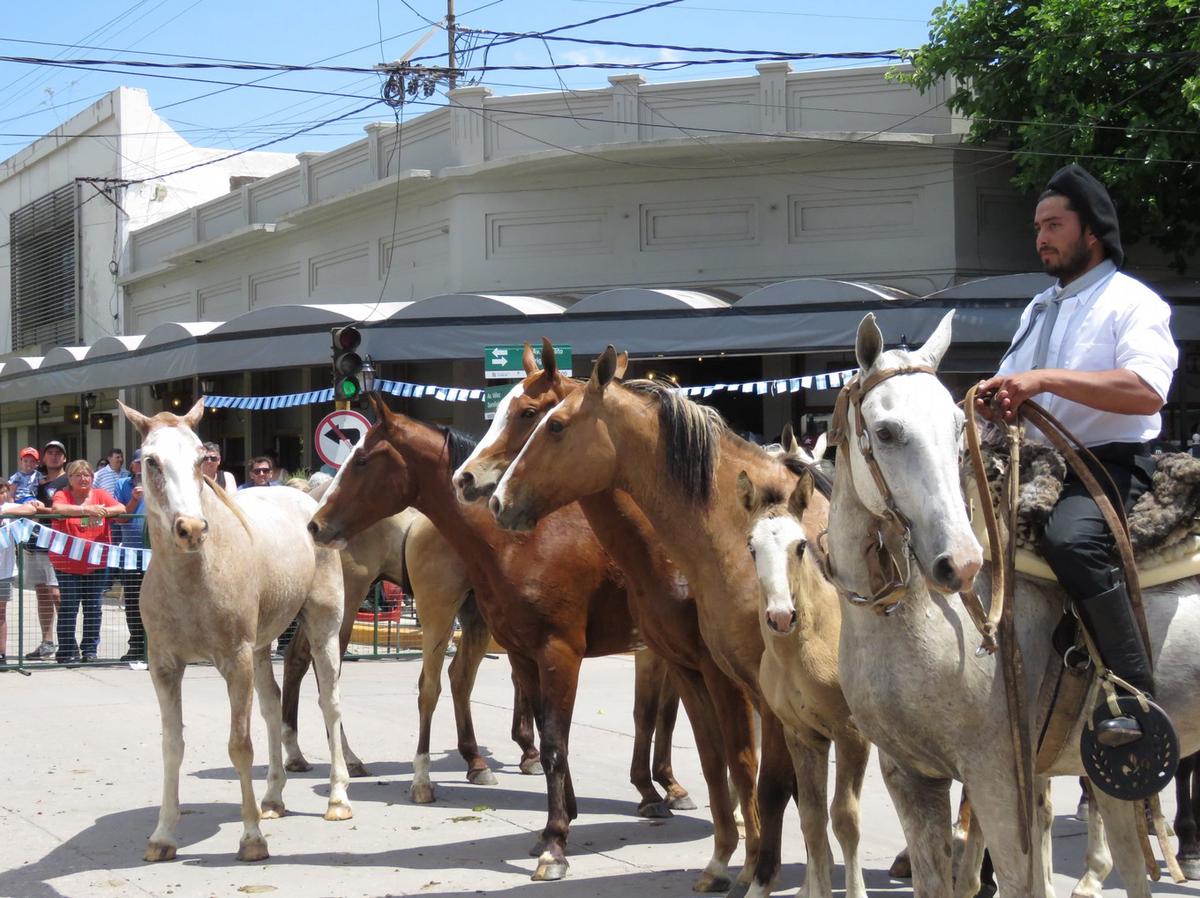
(710, 746)
(664, 732)
(558, 679)
(167, 674)
(735, 723)
(1187, 808)
(967, 858)
(923, 806)
(647, 679)
(437, 626)
(321, 625)
(269, 707)
(1085, 801)
(852, 752)
(810, 758)
(238, 671)
(776, 785)
(464, 666)
(296, 661)
(994, 801)
(1099, 860)
(522, 728)
(1120, 825)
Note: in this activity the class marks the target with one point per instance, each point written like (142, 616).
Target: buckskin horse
(659, 599)
(551, 597)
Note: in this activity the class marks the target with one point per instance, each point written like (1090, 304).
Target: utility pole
(451, 61)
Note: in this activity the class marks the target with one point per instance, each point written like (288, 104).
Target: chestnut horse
(665, 612)
(551, 597)
(680, 463)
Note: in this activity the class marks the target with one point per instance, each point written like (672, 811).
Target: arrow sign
(504, 362)
(338, 434)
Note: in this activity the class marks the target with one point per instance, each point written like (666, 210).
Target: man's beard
(1068, 266)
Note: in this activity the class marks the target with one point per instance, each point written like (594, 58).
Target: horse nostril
(466, 480)
(944, 573)
(771, 623)
(313, 528)
(494, 505)
(793, 622)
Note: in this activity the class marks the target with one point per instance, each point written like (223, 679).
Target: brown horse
(679, 463)
(659, 599)
(551, 597)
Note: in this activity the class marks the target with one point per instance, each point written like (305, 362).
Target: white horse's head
(779, 545)
(915, 431)
(171, 475)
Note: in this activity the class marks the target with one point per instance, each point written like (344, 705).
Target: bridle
(886, 543)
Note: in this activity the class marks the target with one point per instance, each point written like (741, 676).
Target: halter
(886, 546)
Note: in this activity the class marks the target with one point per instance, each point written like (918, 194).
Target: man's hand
(998, 398)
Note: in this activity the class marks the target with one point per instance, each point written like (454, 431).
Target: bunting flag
(407, 390)
(14, 531)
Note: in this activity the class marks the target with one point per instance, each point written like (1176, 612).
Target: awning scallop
(640, 299)
(820, 291)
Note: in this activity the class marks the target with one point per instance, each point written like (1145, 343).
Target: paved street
(82, 776)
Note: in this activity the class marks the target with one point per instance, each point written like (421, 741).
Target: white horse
(912, 678)
(229, 574)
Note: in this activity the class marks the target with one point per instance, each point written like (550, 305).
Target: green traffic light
(348, 388)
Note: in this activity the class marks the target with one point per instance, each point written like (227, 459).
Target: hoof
(1189, 865)
(550, 868)
(901, 867)
(709, 883)
(532, 767)
(682, 803)
(159, 851)
(740, 890)
(654, 810)
(272, 810)
(481, 776)
(338, 810)
(298, 764)
(357, 770)
(253, 850)
(421, 793)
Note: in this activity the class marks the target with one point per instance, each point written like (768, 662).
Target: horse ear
(382, 412)
(622, 365)
(937, 344)
(822, 444)
(195, 415)
(788, 440)
(134, 417)
(527, 360)
(746, 493)
(549, 362)
(869, 342)
(801, 494)
(604, 371)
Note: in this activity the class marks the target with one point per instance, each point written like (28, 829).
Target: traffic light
(347, 363)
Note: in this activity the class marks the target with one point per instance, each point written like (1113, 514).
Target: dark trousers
(79, 590)
(131, 592)
(1077, 543)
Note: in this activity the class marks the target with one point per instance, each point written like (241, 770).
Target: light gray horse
(912, 678)
(229, 574)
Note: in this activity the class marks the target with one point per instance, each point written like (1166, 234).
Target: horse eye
(529, 412)
(151, 461)
(753, 554)
(884, 434)
(800, 547)
(360, 459)
(556, 426)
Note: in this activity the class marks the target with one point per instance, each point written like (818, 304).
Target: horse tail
(223, 495)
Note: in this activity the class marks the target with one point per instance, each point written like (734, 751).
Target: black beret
(1089, 197)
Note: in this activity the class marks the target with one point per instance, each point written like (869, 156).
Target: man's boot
(1108, 619)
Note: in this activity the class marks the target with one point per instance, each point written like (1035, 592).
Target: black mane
(460, 445)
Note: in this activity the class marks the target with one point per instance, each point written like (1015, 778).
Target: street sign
(504, 362)
(338, 434)
(492, 397)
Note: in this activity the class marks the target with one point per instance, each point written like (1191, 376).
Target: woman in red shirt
(86, 512)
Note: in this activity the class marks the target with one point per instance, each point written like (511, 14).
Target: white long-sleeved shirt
(1118, 323)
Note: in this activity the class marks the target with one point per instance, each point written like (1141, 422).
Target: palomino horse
(679, 463)
(916, 687)
(665, 613)
(229, 574)
(551, 597)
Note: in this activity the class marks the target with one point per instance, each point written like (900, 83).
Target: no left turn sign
(338, 434)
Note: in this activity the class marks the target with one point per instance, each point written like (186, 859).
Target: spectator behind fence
(27, 478)
(8, 560)
(86, 510)
(108, 475)
(38, 571)
(262, 473)
(210, 465)
(129, 533)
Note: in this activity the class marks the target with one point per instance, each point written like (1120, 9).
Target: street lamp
(87, 402)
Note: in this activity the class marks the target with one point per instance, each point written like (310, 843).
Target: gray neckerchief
(1045, 311)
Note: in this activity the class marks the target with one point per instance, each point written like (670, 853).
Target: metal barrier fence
(385, 625)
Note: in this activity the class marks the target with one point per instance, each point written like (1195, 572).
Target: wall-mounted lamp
(207, 385)
(71, 414)
(89, 401)
(44, 407)
(368, 376)
(156, 391)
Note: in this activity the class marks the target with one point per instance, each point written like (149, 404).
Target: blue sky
(36, 99)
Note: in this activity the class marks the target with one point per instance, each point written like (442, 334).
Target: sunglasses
(261, 471)
(212, 458)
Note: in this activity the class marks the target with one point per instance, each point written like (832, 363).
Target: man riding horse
(1095, 350)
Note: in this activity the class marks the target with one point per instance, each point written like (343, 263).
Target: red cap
(29, 450)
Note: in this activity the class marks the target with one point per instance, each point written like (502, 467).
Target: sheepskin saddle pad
(1164, 524)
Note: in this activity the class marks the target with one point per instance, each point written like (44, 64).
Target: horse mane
(223, 496)
(692, 433)
(459, 444)
(821, 480)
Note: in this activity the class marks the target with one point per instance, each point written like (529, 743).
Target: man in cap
(1095, 350)
(38, 570)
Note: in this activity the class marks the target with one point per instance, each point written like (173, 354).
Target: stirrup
(1116, 732)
